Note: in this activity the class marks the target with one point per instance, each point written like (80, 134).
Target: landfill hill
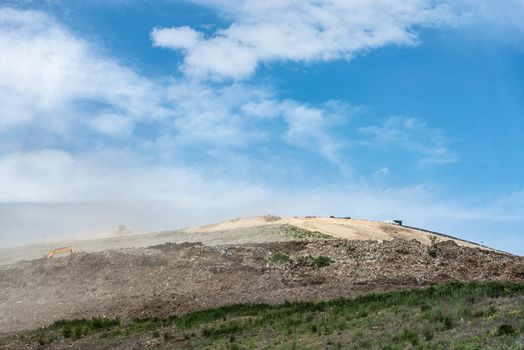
(264, 259)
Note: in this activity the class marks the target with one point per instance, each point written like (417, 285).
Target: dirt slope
(256, 234)
(353, 229)
(177, 278)
(238, 231)
(137, 275)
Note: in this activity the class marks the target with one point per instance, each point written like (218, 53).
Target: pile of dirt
(175, 278)
(257, 234)
(258, 229)
(343, 228)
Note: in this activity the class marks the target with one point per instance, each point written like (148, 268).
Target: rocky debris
(172, 247)
(173, 278)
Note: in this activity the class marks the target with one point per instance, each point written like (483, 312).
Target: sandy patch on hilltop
(352, 229)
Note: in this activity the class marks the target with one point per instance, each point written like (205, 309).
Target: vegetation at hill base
(451, 316)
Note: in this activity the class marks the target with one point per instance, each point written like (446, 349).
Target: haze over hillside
(235, 231)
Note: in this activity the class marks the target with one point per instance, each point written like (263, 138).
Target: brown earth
(258, 229)
(343, 228)
(174, 278)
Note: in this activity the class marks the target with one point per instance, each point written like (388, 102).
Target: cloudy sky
(169, 113)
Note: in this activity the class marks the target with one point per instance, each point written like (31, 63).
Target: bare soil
(258, 229)
(343, 228)
(255, 234)
(171, 278)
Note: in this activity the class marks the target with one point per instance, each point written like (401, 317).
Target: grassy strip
(454, 315)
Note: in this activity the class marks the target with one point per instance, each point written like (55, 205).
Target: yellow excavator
(64, 250)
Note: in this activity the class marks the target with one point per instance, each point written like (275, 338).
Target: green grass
(321, 261)
(455, 315)
(78, 328)
(299, 233)
(278, 258)
(316, 261)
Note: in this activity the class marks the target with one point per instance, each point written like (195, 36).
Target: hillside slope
(343, 228)
(257, 229)
(177, 278)
(452, 316)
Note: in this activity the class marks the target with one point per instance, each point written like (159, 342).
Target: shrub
(505, 329)
(321, 261)
(351, 249)
(365, 344)
(491, 311)
(433, 249)
(66, 332)
(98, 323)
(437, 315)
(316, 261)
(425, 307)
(428, 334)
(314, 328)
(78, 331)
(278, 258)
(82, 326)
(41, 341)
(448, 322)
(206, 332)
(406, 335)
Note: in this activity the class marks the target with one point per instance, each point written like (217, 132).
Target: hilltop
(342, 228)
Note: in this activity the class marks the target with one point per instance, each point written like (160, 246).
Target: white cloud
(411, 135)
(56, 82)
(309, 127)
(504, 19)
(56, 175)
(240, 114)
(384, 171)
(262, 109)
(112, 124)
(44, 175)
(176, 38)
(46, 73)
(291, 30)
(213, 115)
(52, 81)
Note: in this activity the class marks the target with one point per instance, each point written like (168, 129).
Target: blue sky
(174, 113)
